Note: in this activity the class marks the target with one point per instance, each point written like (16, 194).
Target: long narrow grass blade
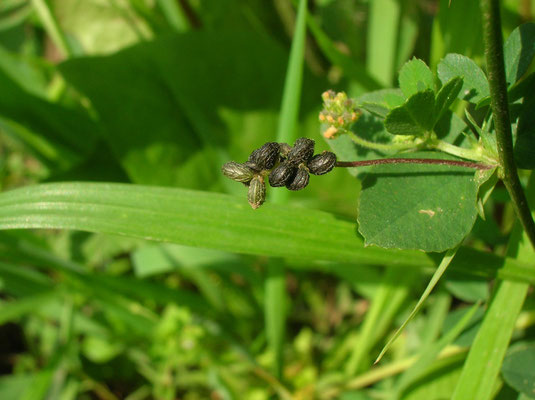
(382, 40)
(222, 222)
(488, 350)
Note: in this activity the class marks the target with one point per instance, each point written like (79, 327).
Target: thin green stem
(469, 154)
(492, 33)
(51, 26)
(379, 146)
(428, 161)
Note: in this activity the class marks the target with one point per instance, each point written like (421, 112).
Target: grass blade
(223, 222)
(382, 40)
(488, 349)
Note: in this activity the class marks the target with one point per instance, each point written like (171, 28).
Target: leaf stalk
(428, 161)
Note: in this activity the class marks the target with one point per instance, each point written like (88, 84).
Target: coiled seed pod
(257, 192)
(266, 156)
(300, 180)
(282, 174)
(322, 163)
(302, 151)
(237, 172)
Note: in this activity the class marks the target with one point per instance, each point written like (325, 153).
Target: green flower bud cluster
(339, 113)
(282, 164)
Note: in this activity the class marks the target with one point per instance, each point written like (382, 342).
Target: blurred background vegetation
(163, 92)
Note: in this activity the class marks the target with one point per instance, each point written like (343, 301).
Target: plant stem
(434, 161)
(379, 146)
(469, 154)
(500, 111)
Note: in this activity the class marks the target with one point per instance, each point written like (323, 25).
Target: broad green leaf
(447, 95)
(430, 208)
(415, 117)
(216, 221)
(415, 76)
(517, 368)
(518, 52)
(475, 85)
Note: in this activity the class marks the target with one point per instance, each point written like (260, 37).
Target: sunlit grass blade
(488, 350)
(222, 222)
(382, 40)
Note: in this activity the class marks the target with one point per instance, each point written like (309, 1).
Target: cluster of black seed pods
(282, 164)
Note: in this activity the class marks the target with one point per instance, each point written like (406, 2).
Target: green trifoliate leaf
(447, 95)
(519, 50)
(415, 76)
(380, 102)
(415, 117)
(425, 207)
(475, 85)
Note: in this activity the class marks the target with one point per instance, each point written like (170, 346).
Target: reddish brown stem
(433, 161)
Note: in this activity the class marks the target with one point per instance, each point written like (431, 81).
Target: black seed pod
(322, 163)
(301, 152)
(237, 172)
(285, 149)
(266, 156)
(282, 174)
(252, 165)
(300, 181)
(257, 192)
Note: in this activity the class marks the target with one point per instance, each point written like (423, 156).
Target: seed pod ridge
(282, 174)
(237, 172)
(256, 195)
(322, 163)
(300, 181)
(302, 151)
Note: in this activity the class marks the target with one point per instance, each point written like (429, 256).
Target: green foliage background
(162, 283)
